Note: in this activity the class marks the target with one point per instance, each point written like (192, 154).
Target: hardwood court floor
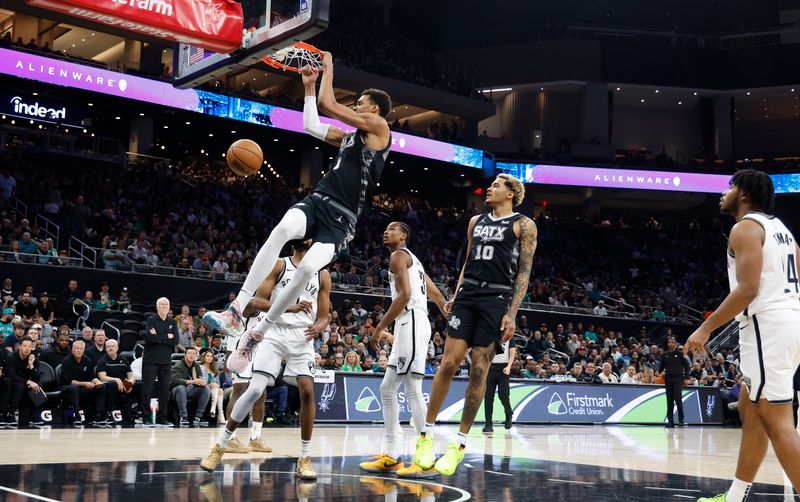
(550, 463)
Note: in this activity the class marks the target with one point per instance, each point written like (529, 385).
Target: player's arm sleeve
(311, 122)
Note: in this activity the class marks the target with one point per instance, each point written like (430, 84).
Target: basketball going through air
(245, 157)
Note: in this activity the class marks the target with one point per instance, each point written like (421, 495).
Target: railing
(85, 256)
(81, 311)
(73, 144)
(605, 298)
(728, 338)
(107, 326)
(39, 259)
(83, 252)
(18, 206)
(697, 314)
(147, 160)
(50, 228)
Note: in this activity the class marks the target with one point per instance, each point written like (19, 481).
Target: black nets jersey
(495, 250)
(354, 173)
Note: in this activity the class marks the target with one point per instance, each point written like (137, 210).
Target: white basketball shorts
(412, 332)
(284, 343)
(770, 354)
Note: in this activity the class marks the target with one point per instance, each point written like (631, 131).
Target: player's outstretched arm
(311, 122)
(399, 264)
(367, 122)
(528, 237)
(323, 307)
(746, 241)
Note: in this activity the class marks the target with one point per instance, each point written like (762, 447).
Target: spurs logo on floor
(455, 322)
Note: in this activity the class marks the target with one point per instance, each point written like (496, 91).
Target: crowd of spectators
(618, 265)
(32, 325)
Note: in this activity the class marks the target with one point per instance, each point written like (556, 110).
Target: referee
(498, 378)
(676, 370)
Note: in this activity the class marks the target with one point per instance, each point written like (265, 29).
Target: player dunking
(411, 287)
(290, 340)
(328, 215)
(500, 247)
(763, 260)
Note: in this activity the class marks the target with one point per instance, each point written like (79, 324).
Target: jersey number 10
(484, 252)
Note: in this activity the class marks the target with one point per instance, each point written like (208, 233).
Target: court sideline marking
(28, 495)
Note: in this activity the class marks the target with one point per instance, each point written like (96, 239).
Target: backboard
(269, 25)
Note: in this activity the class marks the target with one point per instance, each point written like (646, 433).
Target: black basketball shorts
(477, 314)
(327, 221)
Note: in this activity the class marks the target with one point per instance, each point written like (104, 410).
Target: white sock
(255, 431)
(413, 388)
(305, 448)
(225, 438)
(393, 445)
(427, 430)
(738, 491)
(462, 439)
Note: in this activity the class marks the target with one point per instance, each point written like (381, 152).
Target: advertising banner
(77, 76)
(215, 25)
(28, 106)
(532, 402)
(609, 177)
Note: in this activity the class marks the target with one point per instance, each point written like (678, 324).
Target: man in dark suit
(160, 339)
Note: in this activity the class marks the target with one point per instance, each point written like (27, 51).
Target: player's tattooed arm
(528, 237)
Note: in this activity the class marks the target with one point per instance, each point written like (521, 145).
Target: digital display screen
(609, 177)
(77, 76)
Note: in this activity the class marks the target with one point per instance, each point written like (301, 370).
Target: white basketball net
(298, 57)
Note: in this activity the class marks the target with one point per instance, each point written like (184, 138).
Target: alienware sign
(50, 111)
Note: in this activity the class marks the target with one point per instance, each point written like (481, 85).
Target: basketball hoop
(295, 57)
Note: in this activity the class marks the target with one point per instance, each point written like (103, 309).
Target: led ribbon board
(607, 177)
(88, 78)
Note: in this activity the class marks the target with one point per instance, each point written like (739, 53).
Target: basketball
(245, 157)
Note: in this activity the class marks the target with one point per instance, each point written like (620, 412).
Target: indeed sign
(37, 110)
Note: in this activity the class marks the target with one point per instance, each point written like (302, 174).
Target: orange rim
(278, 65)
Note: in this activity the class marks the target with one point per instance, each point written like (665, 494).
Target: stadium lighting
(499, 89)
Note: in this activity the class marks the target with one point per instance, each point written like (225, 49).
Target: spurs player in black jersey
(500, 247)
(329, 214)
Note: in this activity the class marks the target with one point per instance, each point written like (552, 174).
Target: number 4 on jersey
(791, 274)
